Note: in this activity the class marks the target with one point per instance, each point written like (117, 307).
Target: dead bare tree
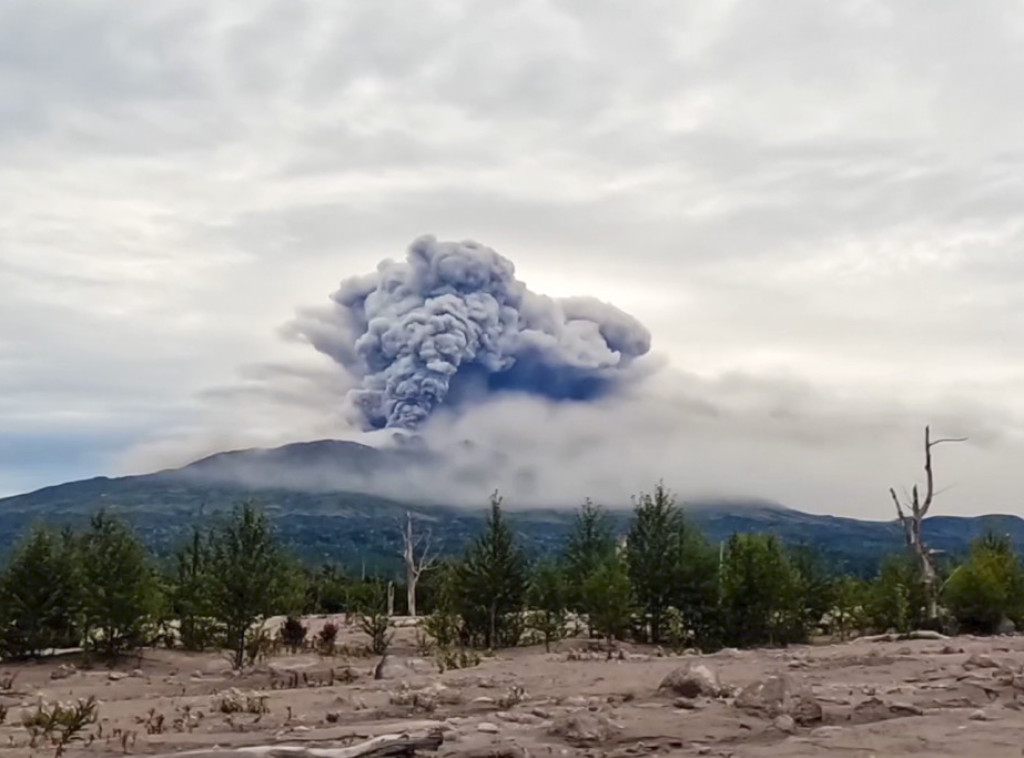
(912, 513)
(419, 557)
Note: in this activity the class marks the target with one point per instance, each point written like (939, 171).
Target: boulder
(977, 661)
(63, 671)
(1006, 626)
(585, 729)
(785, 723)
(777, 695)
(693, 680)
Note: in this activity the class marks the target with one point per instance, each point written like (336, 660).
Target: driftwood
(920, 634)
(506, 751)
(384, 746)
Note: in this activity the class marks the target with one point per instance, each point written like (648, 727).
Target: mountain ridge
(317, 494)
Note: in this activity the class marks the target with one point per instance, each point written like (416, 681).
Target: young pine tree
(120, 594)
(608, 599)
(590, 545)
(670, 564)
(40, 595)
(761, 600)
(988, 587)
(190, 594)
(246, 571)
(546, 598)
(491, 583)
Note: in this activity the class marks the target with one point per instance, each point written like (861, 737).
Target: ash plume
(452, 324)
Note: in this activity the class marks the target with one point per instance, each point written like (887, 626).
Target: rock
(1006, 626)
(779, 694)
(977, 661)
(979, 715)
(826, 731)
(333, 717)
(693, 680)
(785, 723)
(950, 650)
(116, 676)
(686, 704)
(138, 673)
(575, 701)
(483, 700)
(585, 729)
(487, 727)
(905, 709)
(63, 671)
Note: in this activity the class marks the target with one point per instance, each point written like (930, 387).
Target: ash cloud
(451, 325)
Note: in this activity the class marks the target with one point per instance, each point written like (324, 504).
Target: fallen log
(384, 746)
(920, 634)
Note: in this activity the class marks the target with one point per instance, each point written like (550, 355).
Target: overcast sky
(815, 207)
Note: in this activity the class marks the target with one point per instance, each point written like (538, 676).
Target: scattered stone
(904, 651)
(518, 718)
(585, 729)
(979, 715)
(138, 673)
(575, 701)
(333, 717)
(826, 731)
(977, 661)
(63, 671)
(693, 680)
(950, 650)
(116, 676)
(483, 700)
(487, 727)
(779, 694)
(686, 704)
(785, 723)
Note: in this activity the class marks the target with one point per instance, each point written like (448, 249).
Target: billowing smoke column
(452, 323)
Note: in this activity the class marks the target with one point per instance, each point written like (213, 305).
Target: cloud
(822, 195)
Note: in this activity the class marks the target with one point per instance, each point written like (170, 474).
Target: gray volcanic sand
(877, 699)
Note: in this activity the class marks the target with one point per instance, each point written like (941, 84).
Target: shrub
(327, 638)
(59, 722)
(292, 633)
(987, 588)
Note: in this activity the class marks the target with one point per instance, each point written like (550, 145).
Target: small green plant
(236, 701)
(61, 723)
(292, 633)
(372, 617)
(327, 639)
(675, 629)
(449, 658)
(377, 626)
(258, 645)
(442, 627)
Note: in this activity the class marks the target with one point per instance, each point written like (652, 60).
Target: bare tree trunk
(391, 598)
(918, 509)
(415, 565)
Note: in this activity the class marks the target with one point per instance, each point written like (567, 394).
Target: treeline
(664, 583)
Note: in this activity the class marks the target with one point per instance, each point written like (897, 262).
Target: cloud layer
(820, 198)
